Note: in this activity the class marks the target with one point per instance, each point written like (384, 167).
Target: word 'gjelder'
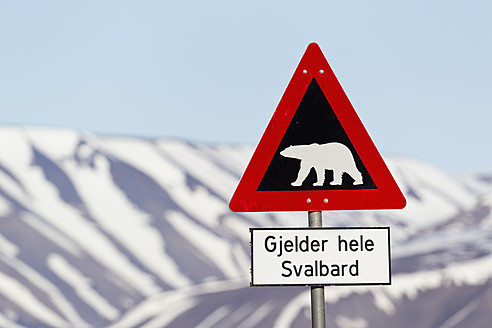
(298, 244)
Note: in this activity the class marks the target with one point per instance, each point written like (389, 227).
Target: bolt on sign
(315, 153)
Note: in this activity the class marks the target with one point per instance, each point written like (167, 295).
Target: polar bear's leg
(337, 178)
(303, 173)
(320, 173)
(356, 175)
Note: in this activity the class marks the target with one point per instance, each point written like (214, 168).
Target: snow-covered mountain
(100, 231)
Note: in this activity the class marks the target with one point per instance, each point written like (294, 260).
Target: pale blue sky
(418, 73)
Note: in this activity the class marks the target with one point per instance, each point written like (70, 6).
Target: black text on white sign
(321, 256)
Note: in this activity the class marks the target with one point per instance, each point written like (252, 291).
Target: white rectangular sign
(320, 256)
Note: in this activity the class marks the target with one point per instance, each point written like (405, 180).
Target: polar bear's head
(289, 152)
(298, 151)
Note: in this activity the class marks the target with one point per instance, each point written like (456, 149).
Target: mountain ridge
(102, 231)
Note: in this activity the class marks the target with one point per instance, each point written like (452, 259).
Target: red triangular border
(246, 198)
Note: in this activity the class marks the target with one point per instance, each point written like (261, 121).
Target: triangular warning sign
(315, 154)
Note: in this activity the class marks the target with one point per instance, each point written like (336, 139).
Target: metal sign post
(317, 292)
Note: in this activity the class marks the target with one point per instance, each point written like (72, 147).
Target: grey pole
(317, 292)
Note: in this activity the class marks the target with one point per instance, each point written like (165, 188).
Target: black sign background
(314, 122)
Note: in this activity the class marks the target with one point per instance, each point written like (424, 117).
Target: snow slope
(100, 231)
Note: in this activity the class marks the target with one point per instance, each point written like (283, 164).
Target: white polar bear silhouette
(330, 156)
